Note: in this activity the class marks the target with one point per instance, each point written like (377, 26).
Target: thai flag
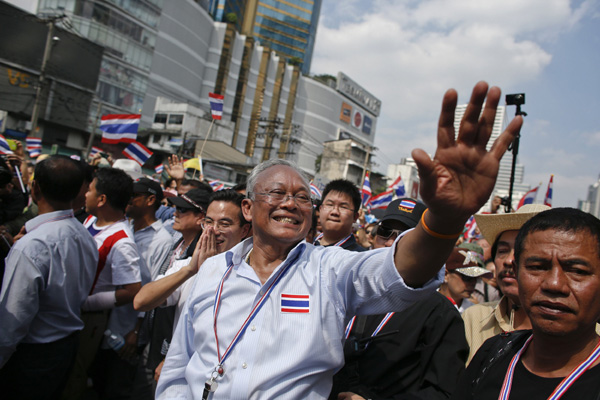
(382, 200)
(470, 229)
(95, 150)
(119, 127)
(216, 105)
(407, 205)
(159, 168)
(4, 146)
(548, 198)
(216, 185)
(34, 153)
(295, 303)
(366, 190)
(137, 152)
(314, 190)
(33, 143)
(398, 187)
(529, 197)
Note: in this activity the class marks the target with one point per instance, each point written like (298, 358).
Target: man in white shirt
(49, 273)
(267, 319)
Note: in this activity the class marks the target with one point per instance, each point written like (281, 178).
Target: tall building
(127, 30)
(592, 203)
(287, 26)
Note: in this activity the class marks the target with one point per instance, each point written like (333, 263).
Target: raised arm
(455, 184)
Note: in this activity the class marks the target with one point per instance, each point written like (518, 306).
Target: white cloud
(407, 53)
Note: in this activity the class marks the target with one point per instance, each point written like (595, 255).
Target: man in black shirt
(557, 257)
(418, 353)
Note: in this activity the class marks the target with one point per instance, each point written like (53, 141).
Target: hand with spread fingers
(175, 168)
(462, 174)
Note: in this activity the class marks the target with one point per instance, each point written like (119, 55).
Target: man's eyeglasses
(386, 232)
(276, 197)
(341, 207)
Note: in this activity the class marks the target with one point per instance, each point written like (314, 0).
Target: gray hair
(263, 166)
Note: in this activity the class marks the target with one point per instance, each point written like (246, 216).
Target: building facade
(592, 202)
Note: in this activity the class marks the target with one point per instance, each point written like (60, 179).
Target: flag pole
(206, 138)
(88, 149)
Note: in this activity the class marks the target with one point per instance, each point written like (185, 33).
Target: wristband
(435, 234)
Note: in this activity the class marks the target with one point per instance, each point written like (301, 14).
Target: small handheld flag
(95, 150)
(314, 191)
(398, 187)
(33, 146)
(159, 168)
(137, 152)
(548, 198)
(216, 105)
(119, 127)
(4, 146)
(366, 190)
(216, 185)
(528, 198)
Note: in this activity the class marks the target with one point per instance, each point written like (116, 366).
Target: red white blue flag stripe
(366, 190)
(137, 152)
(408, 204)
(528, 198)
(295, 303)
(314, 190)
(216, 105)
(33, 143)
(548, 198)
(95, 150)
(33, 153)
(216, 185)
(398, 187)
(159, 169)
(119, 127)
(4, 146)
(382, 200)
(562, 386)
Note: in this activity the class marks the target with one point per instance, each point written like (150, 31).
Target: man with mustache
(482, 321)
(557, 261)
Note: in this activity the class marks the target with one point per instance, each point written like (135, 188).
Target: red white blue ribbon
(253, 312)
(341, 242)
(562, 387)
(383, 323)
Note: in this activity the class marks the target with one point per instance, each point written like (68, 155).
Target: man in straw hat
(266, 319)
(557, 262)
(485, 320)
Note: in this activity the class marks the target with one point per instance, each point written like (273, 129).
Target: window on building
(176, 119)
(160, 118)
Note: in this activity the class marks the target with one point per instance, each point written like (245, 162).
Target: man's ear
(200, 219)
(102, 200)
(247, 210)
(150, 200)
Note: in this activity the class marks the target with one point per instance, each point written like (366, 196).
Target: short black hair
(563, 219)
(346, 187)
(59, 178)
(6, 174)
(116, 185)
(197, 184)
(240, 187)
(230, 196)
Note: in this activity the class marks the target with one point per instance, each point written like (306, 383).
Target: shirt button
(253, 328)
(244, 365)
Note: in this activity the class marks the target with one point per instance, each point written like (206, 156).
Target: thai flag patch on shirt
(295, 303)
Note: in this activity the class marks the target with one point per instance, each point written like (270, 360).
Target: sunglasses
(386, 232)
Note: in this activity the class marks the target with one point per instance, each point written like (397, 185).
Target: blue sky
(408, 53)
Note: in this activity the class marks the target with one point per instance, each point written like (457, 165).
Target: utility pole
(41, 81)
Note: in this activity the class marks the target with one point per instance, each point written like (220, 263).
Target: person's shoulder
(480, 310)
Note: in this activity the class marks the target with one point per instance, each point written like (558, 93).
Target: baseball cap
(133, 169)
(474, 247)
(149, 186)
(195, 199)
(465, 262)
(406, 210)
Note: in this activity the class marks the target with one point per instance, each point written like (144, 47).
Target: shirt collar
(34, 223)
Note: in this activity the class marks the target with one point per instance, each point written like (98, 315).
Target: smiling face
(559, 282)
(224, 216)
(505, 273)
(278, 224)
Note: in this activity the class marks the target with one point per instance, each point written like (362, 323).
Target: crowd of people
(120, 286)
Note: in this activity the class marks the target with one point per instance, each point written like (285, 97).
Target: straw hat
(492, 225)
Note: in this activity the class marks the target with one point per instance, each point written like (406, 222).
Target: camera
(517, 99)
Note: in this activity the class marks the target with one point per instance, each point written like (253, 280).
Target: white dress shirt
(281, 355)
(49, 273)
